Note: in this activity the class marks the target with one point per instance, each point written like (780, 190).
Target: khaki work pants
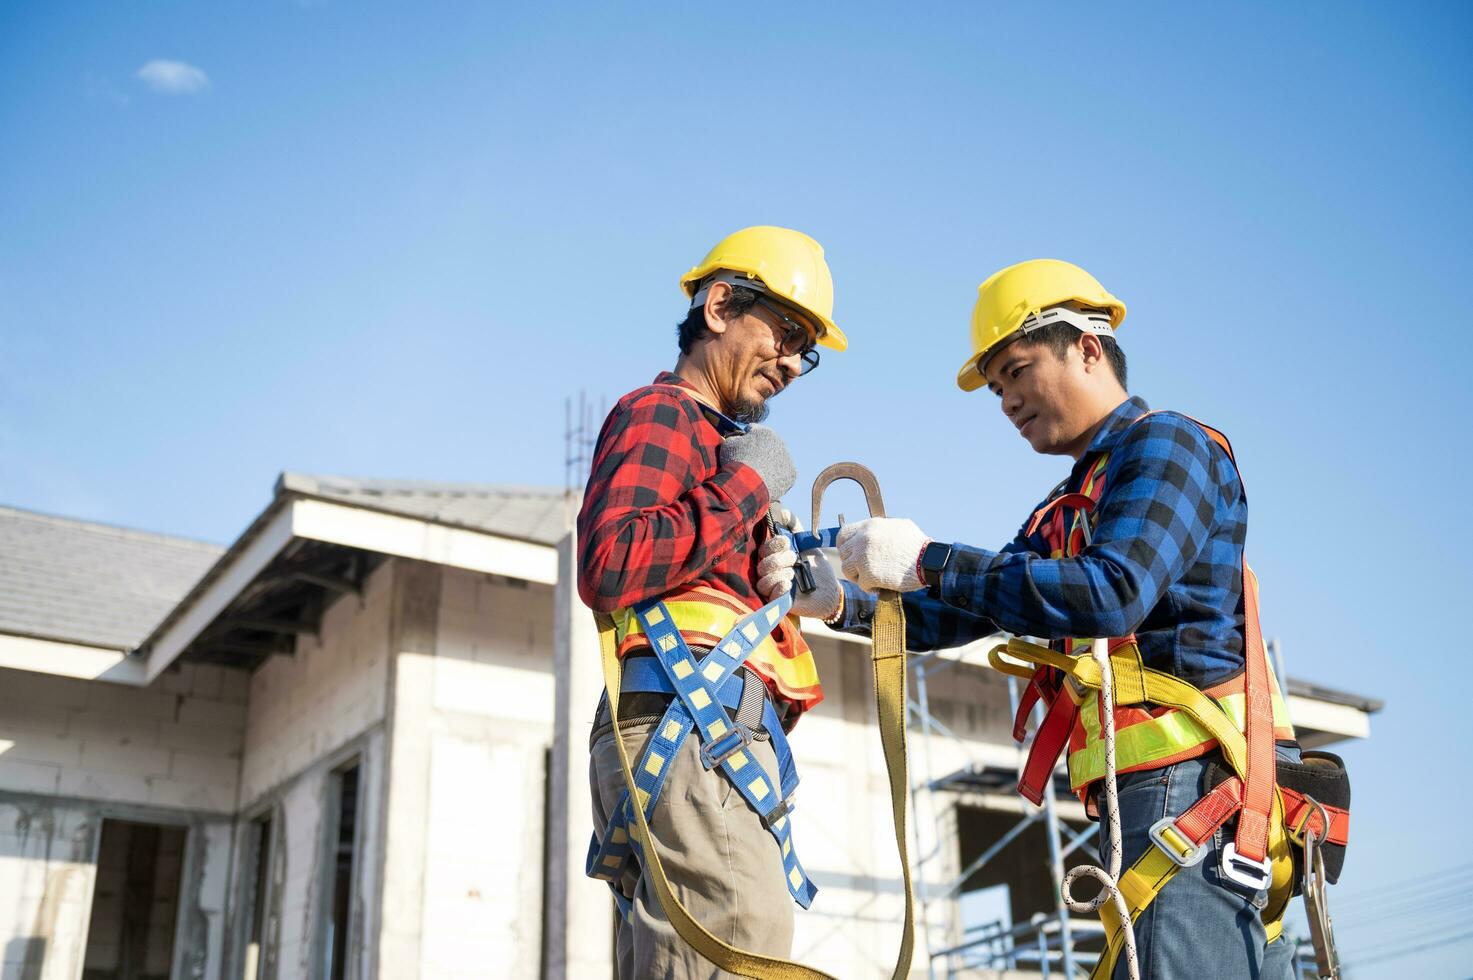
(722, 863)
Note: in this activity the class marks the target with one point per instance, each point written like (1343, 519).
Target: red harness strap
(1226, 799)
(1053, 735)
(1258, 731)
(1300, 813)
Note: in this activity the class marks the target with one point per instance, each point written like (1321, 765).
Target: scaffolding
(1047, 941)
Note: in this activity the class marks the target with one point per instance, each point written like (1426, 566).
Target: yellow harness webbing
(1135, 683)
(888, 659)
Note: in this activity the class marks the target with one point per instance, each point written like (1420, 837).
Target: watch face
(933, 562)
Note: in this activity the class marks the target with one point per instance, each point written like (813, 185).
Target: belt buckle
(717, 751)
(1185, 859)
(1245, 871)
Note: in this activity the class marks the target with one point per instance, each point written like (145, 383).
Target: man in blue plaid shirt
(1163, 561)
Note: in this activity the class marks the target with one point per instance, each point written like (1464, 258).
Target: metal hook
(861, 475)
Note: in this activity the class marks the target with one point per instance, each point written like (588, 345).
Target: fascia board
(252, 560)
(409, 537)
(1325, 716)
(64, 659)
(353, 527)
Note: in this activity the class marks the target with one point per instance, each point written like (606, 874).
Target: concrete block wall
(73, 752)
(48, 868)
(309, 715)
(46, 878)
(472, 722)
(332, 691)
(304, 856)
(175, 744)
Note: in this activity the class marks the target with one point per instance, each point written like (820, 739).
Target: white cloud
(173, 77)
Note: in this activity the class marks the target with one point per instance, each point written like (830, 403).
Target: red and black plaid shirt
(661, 517)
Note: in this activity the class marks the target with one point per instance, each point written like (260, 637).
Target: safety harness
(1174, 721)
(703, 689)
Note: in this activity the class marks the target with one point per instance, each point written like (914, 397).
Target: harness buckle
(1176, 845)
(776, 813)
(1244, 871)
(715, 752)
(1304, 828)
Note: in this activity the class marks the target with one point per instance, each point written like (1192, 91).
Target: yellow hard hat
(789, 264)
(1013, 300)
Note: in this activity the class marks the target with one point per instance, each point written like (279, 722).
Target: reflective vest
(705, 615)
(1146, 736)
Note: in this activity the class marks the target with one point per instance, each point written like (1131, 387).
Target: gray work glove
(763, 450)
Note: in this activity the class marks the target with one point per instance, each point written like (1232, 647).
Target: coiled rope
(1109, 880)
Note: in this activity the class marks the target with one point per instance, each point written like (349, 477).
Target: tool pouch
(1321, 776)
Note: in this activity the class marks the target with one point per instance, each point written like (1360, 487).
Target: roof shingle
(538, 514)
(71, 580)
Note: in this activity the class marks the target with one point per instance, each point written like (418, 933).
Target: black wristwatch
(933, 564)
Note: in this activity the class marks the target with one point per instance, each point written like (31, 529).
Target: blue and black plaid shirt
(1165, 562)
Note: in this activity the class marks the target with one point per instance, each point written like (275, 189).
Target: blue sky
(390, 239)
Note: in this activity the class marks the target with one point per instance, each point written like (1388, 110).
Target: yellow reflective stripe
(1147, 741)
(692, 617)
(1135, 745)
(792, 674)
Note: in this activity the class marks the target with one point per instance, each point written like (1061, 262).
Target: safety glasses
(795, 338)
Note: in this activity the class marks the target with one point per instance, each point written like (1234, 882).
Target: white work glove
(882, 553)
(823, 601)
(775, 571)
(775, 560)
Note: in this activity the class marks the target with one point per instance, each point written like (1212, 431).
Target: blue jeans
(1201, 925)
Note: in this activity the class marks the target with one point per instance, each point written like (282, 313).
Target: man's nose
(1011, 402)
(791, 365)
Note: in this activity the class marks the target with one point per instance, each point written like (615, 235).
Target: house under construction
(353, 744)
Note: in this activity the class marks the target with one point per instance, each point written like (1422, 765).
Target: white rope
(1109, 880)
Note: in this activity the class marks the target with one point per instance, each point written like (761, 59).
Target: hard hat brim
(969, 378)
(832, 337)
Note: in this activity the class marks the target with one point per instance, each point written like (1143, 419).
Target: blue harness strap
(703, 690)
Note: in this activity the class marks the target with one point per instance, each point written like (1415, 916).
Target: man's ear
(1091, 351)
(717, 298)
